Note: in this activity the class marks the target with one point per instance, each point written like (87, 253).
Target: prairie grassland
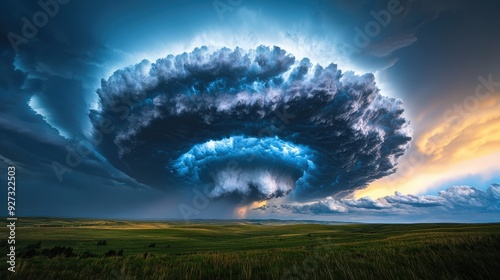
(67, 249)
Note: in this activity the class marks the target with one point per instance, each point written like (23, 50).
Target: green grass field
(249, 250)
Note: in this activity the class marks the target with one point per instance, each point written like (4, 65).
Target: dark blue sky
(437, 62)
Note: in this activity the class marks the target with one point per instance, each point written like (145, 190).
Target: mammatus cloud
(250, 123)
(457, 200)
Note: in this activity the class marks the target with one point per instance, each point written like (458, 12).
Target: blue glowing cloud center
(237, 164)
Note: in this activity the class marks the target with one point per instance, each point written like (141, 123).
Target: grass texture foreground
(109, 249)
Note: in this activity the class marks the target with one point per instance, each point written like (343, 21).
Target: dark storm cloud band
(350, 133)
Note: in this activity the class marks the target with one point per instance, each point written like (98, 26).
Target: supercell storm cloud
(255, 124)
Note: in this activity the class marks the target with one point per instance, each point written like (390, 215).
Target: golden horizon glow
(466, 143)
(241, 212)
